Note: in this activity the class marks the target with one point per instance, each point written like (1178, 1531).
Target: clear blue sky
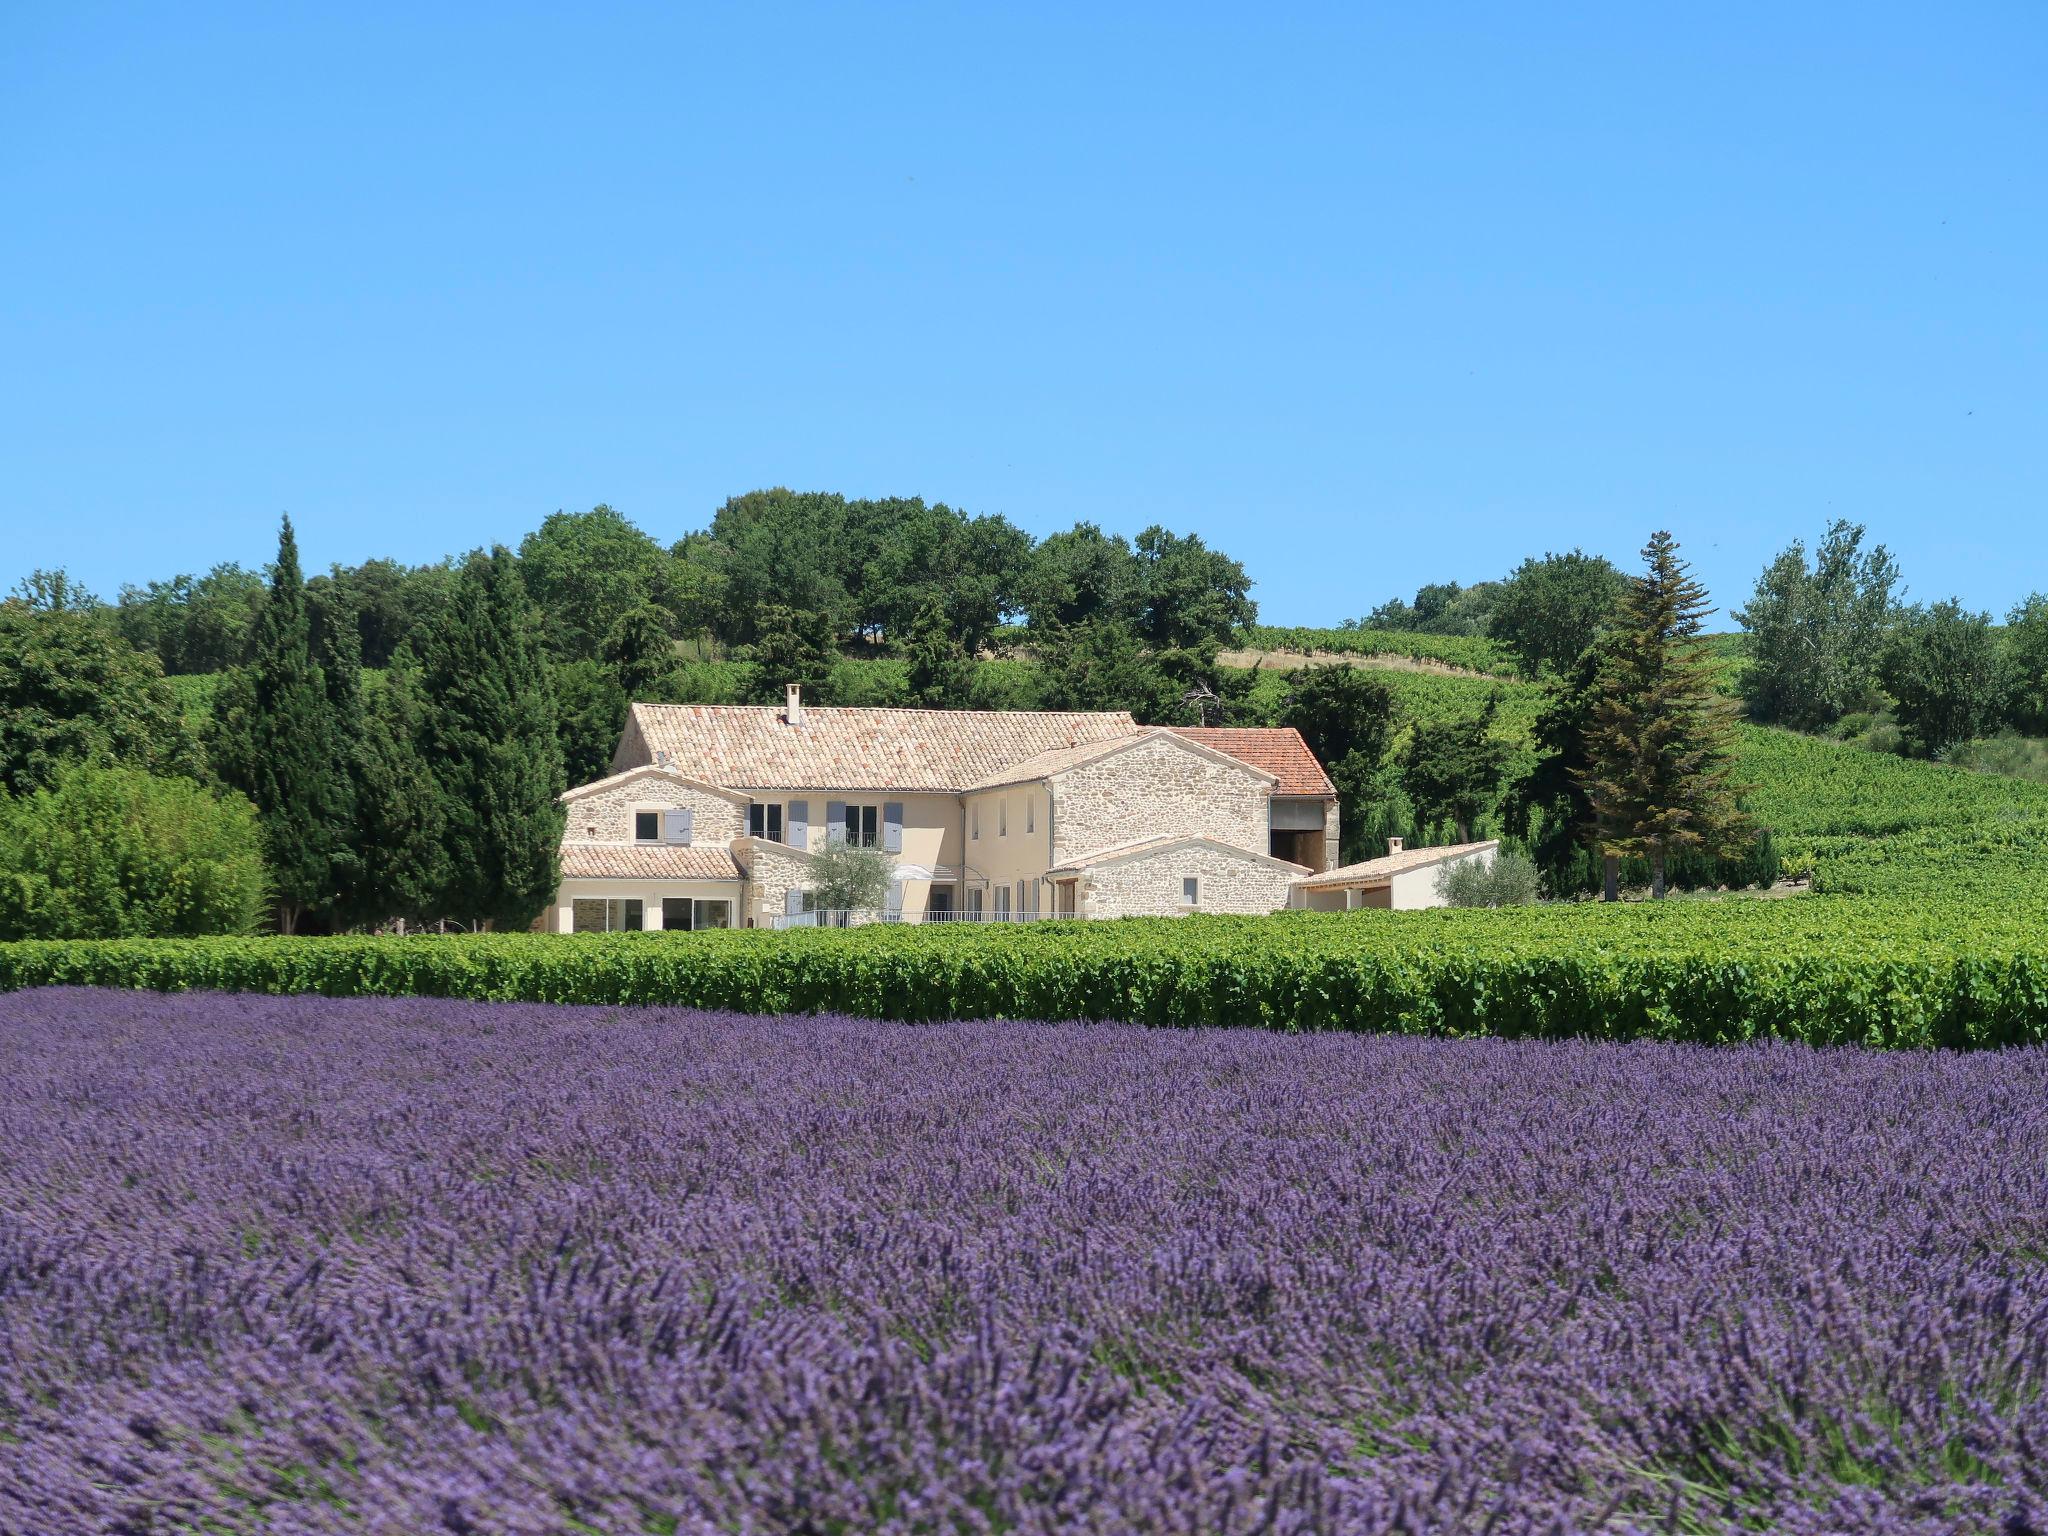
(1367, 296)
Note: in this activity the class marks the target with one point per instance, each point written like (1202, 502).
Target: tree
(193, 624)
(584, 569)
(790, 646)
(119, 853)
(1347, 718)
(2026, 665)
(1550, 808)
(276, 740)
(938, 671)
(1659, 749)
(1440, 608)
(590, 712)
(1549, 610)
(1100, 664)
(1079, 576)
(1942, 669)
(848, 878)
(639, 650)
(1814, 634)
(337, 652)
(71, 690)
(489, 739)
(1452, 769)
(53, 592)
(1190, 597)
(400, 829)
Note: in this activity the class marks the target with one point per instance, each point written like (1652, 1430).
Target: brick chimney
(1394, 846)
(794, 714)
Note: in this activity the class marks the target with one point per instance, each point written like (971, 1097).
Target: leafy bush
(114, 853)
(1509, 879)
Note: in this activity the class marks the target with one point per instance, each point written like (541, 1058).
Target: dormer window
(647, 826)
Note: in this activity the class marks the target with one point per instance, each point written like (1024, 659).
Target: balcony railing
(856, 917)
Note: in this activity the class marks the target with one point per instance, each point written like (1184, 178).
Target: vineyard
(1474, 653)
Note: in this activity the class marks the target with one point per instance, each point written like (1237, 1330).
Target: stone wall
(773, 870)
(1159, 788)
(1150, 885)
(606, 816)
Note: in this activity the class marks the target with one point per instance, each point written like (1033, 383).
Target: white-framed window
(1030, 814)
(1002, 901)
(598, 914)
(647, 826)
(1003, 817)
(864, 826)
(974, 901)
(1191, 891)
(764, 822)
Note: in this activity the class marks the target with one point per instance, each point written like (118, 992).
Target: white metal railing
(855, 917)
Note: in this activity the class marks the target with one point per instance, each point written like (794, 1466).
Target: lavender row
(404, 1265)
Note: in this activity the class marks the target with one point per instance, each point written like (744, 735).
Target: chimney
(1393, 846)
(795, 713)
(661, 759)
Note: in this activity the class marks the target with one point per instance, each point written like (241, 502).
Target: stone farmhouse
(713, 814)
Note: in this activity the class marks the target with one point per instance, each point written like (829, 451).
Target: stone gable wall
(607, 816)
(1150, 885)
(1157, 789)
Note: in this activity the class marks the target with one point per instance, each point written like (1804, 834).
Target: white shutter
(677, 825)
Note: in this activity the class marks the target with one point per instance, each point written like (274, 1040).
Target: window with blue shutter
(892, 826)
(799, 823)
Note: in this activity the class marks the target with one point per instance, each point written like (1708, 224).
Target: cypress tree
(1659, 749)
(490, 742)
(276, 742)
(399, 822)
(338, 653)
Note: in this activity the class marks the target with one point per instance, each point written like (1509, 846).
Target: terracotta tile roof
(752, 746)
(1059, 759)
(1151, 845)
(648, 770)
(1380, 871)
(1277, 749)
(646, 861)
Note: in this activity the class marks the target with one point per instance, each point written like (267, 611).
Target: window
(1030, 813)
(765, 821)
(1191, 891)
(683, 914)
(940, 902)
(974, 902)
(595, 914)
(1003, 818)
(862, 826)
(647, 826)
(1002, 902)
(975, 819)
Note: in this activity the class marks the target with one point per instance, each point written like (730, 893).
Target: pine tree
(1659, 748)
(489, 736)
(276, 741)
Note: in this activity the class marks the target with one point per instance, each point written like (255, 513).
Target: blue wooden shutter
(796, 823)
(892, 826)
(678, 824)
(792, 902)
(835, 822)
(892, 904)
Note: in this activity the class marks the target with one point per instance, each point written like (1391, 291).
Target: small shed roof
(1351, 877)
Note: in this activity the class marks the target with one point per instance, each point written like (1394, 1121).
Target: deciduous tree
(1942, 669)
(1815, 632)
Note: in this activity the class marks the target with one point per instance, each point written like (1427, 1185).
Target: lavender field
(306, 1265)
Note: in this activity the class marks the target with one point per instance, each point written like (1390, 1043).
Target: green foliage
(53, 592)
(583, 570)
(590, 713)
(1079, 577)
(1452, 770)
(71, 690)
(401, 822)
(844, 877)
(640, 651)
(1347, 718)
(1549, 610)
(1658, 751)
(2026, 665)
(192, 624)
(1440, 608)
(1943, 671)
(938, 673)
(1472, 653)
(1102, 664)
(1821, 970)
(1509, 879)
(489, 739)
(791, 645)
(116, 852)
(276, 738)
(1190, 597)
(1814, 633)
